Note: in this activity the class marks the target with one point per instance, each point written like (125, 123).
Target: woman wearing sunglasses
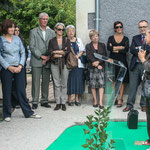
(59, 48)
(118, 45)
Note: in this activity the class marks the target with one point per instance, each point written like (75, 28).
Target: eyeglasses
(60, 29)
(117, 27)
(16, 30)
(143, 27)
(44, 18)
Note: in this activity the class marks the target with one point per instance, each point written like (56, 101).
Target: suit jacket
(53, 45)
(136, 41)
(39, 46)
(90, 53)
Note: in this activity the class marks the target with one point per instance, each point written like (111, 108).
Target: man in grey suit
(38, 43)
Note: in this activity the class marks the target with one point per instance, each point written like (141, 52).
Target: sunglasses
(60, 29)
(117, 27)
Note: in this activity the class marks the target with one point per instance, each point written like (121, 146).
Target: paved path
(32, 134)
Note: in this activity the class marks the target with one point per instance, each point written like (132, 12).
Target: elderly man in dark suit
(136, 67)
(39, 39)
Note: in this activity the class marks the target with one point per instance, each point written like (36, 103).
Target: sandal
(120, 105)
(147, 142)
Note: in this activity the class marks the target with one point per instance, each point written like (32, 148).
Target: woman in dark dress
(118, 45)
(75, 78)
(96, 67)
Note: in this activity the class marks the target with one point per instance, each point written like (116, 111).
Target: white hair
(43, 14)
(70, 26)
(59, 24)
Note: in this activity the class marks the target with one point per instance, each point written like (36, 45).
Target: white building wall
(83, 7)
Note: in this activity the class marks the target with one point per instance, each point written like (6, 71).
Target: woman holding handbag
(59, 47)
(75, 78)
(144, 56)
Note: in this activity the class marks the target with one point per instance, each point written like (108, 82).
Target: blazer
(90, 53)
(53, 45)
(136, 41)
(39, 46)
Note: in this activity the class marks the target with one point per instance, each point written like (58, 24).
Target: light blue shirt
(13, 52)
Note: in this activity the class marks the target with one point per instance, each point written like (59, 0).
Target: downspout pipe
(97, 16)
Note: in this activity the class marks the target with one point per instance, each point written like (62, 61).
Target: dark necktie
(143, 39)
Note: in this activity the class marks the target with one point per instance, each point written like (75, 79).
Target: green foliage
(96, 131)
(25, 13)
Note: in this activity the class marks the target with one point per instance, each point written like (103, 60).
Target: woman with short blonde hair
(96, 67)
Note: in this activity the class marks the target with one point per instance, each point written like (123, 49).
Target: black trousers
(19, 81)
(14, 99)
(148, 116)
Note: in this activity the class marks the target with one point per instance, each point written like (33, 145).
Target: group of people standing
(49, 50)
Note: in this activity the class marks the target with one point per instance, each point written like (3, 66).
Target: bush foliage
(25, 13)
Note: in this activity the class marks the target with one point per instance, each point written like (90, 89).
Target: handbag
(71, 61)
(147, 89)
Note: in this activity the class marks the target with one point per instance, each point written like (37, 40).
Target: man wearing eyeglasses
(136, 68)
(38, 43)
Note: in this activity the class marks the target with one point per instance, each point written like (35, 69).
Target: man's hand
(43, 57)
(43, 62)
(141, 55)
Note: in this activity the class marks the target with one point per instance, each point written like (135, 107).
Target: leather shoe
(77, 103)
(127, 109)
(70, 103)
(63, 107)
(58, 106)
(143, 108)
(46, 105)
(34, 106)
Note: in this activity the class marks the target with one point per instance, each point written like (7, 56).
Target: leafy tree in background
(25, 13)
